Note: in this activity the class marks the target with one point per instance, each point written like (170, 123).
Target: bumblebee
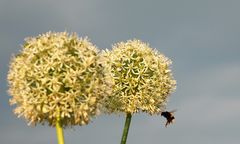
(169, 116)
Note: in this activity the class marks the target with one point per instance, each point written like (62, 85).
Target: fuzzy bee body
(169, 116)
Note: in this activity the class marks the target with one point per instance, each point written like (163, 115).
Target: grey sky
(200, 37)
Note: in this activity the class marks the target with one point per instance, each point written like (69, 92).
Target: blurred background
(202, 38)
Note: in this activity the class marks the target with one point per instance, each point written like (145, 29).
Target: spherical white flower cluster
(58, 75)
(142, 77)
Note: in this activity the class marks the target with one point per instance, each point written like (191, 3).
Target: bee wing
(173, 111)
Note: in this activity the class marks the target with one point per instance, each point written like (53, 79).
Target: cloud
(220, 80)
(205, 112)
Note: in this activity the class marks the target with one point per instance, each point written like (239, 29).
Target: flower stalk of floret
(59, 130)
(126, 128)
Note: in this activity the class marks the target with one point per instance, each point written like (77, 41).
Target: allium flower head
(57, 75)
(142, 77)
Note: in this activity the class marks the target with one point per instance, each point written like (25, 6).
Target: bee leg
(167, 123)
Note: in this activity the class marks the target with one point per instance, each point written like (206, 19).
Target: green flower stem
(59, 130)
(126, 128)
